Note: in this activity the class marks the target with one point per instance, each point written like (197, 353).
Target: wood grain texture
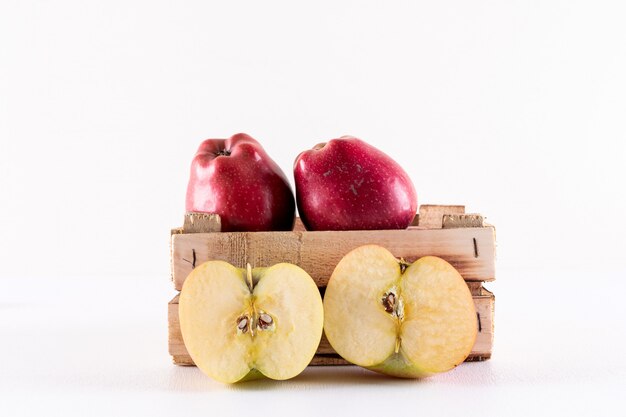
(326, 355)
(470, 250)
(453, 221)
(298, 226)
(202, 223)
(431, 215)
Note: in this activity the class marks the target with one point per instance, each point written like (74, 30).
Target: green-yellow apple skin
(406, 320)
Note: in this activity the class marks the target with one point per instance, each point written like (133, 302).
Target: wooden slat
(475, 287)
(298, 226)
(470, 250)
(326, 355)
(454, 221)
(431, 215)
(485, 311)
(202, 223)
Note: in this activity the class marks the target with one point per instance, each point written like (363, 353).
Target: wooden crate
(462, 239)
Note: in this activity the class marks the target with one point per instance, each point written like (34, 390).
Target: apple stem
(249, 277)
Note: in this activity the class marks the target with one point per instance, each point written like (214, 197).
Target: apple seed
(265, 321)
(242, 324)
(389, 302)
(393, 304)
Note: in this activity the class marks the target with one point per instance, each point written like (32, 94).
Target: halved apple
(399, 319)
(241, 324)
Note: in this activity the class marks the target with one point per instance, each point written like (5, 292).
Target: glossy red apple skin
(236, 179)
(347, 184)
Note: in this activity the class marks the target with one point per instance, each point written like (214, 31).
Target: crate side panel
(470, 250)
(326, 355)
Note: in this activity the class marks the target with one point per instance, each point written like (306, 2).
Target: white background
(515, 109)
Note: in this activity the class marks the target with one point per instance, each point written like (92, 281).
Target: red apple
(346, 184)
(236, 179)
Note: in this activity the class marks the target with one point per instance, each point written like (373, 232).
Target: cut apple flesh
(399, 319)
(239, 324)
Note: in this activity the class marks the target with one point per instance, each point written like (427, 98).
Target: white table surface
(98, 346)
